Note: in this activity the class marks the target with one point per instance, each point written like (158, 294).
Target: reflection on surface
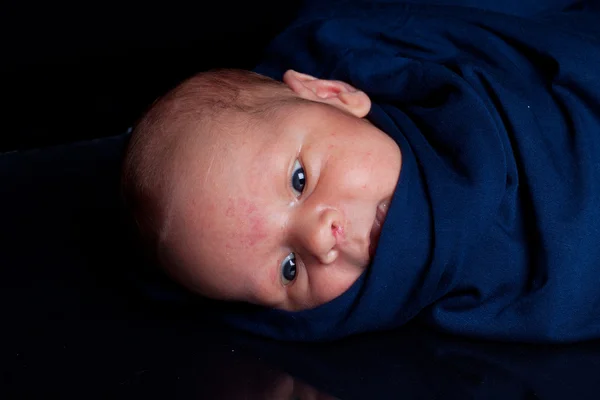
(196, 359)
(419, 364)
(243, 376)
(176, 357)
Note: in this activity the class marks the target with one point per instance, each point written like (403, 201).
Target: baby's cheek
(360, 174)
(257, 233)
(326, 284)
(247, 225)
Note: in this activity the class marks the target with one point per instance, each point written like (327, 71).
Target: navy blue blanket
(494, 228)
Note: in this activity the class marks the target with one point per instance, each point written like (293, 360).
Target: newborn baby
(255, 190)
(462, 192)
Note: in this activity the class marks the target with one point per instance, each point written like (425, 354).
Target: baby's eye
(288, 269)
(298, 178)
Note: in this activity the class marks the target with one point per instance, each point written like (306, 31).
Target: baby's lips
(380, 215)
(382, 210)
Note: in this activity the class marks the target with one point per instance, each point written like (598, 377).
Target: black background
(72, 324)
(72, 70)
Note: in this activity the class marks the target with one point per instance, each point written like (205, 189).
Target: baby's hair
(193, 106)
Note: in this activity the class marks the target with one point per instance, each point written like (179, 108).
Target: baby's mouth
(380, 214)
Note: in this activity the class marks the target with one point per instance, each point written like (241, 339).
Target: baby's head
(249, 189)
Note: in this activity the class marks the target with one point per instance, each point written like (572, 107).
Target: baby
(462, 192)
(249, 189)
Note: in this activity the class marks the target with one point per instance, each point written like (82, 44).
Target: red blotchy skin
(250, 222)
(230, 209)
(250, 208)
(257, 230)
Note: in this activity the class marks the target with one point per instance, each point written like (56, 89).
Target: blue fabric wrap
(494, 227)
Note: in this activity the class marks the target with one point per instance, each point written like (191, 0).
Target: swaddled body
(494, 227)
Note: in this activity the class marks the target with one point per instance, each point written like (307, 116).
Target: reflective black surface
(171, 357)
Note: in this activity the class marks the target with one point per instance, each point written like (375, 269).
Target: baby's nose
(321, 238)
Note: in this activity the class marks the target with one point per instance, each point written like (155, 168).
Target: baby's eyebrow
(281, 166)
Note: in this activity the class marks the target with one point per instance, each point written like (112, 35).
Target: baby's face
(285, 213)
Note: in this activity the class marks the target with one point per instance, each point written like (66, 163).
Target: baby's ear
(337, 93)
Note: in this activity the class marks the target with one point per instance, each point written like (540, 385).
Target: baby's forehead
(235, 132)
(217, 152)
